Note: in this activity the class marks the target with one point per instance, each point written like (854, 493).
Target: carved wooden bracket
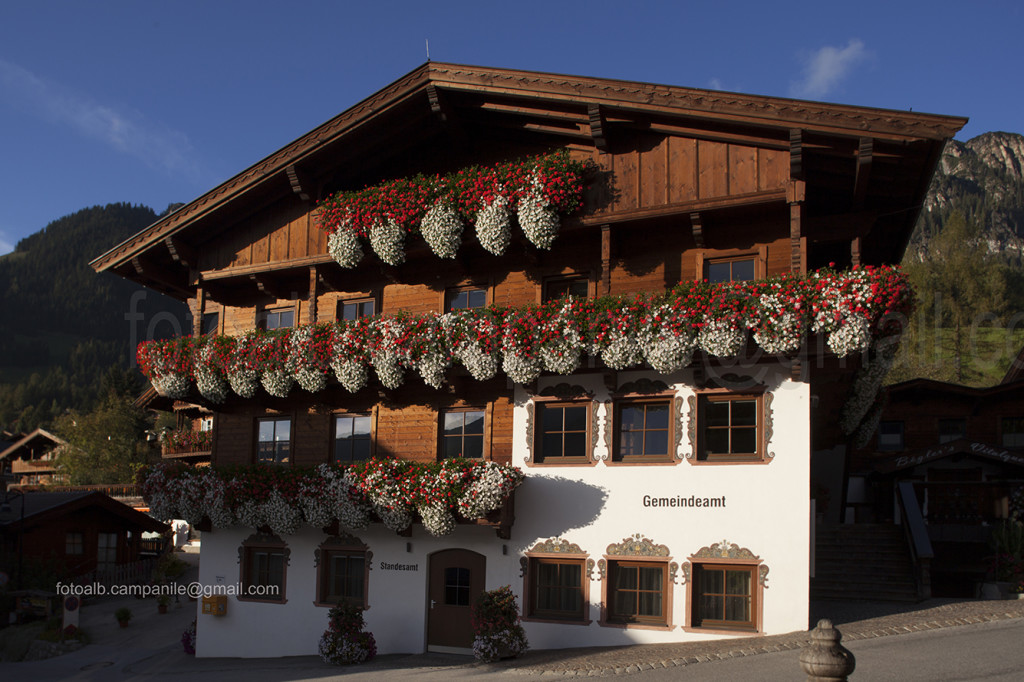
(697, 227)
(598, 126)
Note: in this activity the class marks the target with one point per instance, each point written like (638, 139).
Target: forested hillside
(68, 334)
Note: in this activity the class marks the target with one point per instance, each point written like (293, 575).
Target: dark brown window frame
(548, 281)
(612, 422)
(450, 292)
(761, 455)
(291, 439)
(485, 452)
(1004, 431)
(609, 619)
(372, 415)
(754, 625)
(80, 544)
(707, 256)
(262, 542)
(530, 611)
(293, 308)
(537, 451)
(334, 546)
(355, 300)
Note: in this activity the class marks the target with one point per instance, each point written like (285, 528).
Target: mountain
(69, 334)
(983, 179)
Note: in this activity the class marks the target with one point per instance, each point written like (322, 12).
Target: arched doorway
(456, 579)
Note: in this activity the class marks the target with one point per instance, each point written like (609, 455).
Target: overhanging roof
(558, 107)
(42, 435)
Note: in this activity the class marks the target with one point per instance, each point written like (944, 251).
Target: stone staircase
(863, 561)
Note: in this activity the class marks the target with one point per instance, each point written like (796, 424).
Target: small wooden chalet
(636, 294)
(32, 459)
(79, 532)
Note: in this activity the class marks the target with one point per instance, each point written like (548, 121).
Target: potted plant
(162, 602)
(123, 615)
(344, 641)
(496, 625)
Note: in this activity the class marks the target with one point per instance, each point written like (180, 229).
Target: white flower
(387, 239)
(442, 229)
(437, 518)
(723, 338)
(622, 351)
(519, 368)
(494, 226)
(345, 247)
(538, 219)
(350, 373)
(244, 382)
(210, 384)
(171, 385)
(487, 492)
(432, 367)
(277, 382)
(851, 336)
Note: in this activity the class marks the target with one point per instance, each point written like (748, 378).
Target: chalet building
(32, 458)
(645, 263)
(955, 454)
(79, 532)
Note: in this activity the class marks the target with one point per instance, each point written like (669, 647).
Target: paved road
(987, 651)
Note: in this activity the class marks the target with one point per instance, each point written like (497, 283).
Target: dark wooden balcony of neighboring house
(188, 445)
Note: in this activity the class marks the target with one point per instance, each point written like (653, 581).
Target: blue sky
(153, 102)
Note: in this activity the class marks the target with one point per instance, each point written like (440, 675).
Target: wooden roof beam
(697, 227)
(447, 116)
(302, 186)
(167, 281)
(598, 126)
(796, 154)
(860, 183)
(268, 287)
(182, 252)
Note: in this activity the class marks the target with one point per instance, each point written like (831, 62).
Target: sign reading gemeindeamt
(681, 501)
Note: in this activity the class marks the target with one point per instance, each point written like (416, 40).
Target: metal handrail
(916, 533)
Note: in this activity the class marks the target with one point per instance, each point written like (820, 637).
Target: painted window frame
(567, 555)
(762, 437)
(693, 595)
(270, 544)
(536, 437)
(291, 440)
(612, 564)
(613, 424)
(333, 546)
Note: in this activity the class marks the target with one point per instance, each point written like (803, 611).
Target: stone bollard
(826, 660)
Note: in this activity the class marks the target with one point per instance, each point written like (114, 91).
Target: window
(106, 550)
(74, 543)
(557, 589)
(264, 559)
(465, 297)
(724, 596)
(463, 434)
(890, 435)
(206, 424)
(343, 576)
(643, 431)
(278, 319)
(562, 432)
(556, 288)
(952, 429)
(456, 586)
(352, 437)
(210, 324)
(274, 443)
(730, 427)
(740, 269)
(1013, 432)
(356, 308)
(636, 593)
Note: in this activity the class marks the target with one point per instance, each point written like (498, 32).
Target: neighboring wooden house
(962, 449)
(645, 492)
(33, 458)
(79, 531)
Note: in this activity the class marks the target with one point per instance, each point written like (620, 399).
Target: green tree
(107, 445)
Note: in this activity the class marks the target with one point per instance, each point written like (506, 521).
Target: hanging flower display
(494, 226)
(211, 370)
(395, 491)
(344, 246)
(388, 241)
(166, 363)
(850, 309)
(442, 230)
(539, 188)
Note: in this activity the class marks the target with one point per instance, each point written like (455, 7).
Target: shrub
(344, 642)
(496, 625)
